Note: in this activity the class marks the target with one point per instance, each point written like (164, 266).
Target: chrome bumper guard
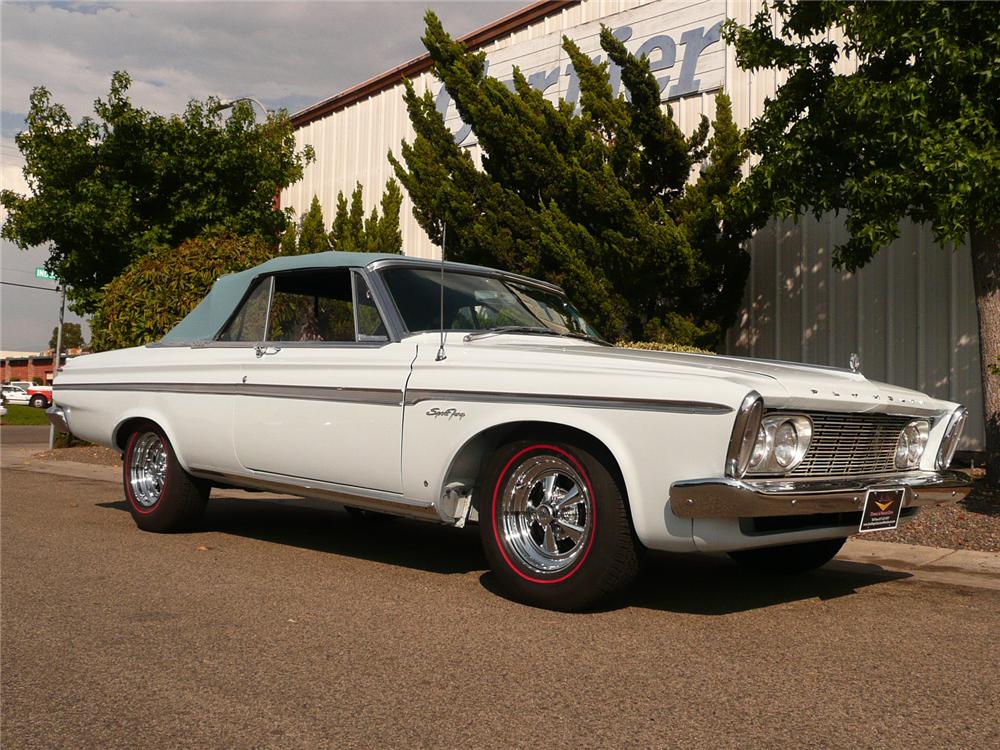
(57, 416)
(734, 498)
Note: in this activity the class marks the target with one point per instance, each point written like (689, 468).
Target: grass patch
(18, 414)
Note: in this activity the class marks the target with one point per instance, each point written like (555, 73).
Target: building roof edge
(474, 40)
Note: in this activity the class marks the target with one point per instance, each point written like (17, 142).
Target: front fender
(653, 449)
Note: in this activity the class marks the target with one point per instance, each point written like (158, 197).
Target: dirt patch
(83, 454)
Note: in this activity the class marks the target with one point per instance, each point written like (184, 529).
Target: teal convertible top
(202, 323)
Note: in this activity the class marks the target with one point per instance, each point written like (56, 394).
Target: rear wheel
(791, 558)
(38, 401)
(162, 496)
(554, 525)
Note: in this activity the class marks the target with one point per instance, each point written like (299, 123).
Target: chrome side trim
(732, 498)
(357, 497)
(374, 396)
(416, 396)
(392, 397)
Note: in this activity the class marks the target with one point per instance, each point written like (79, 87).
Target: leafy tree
(599, 201)
(378, 233)
(912, 133)
(111, 188)
(312, 234)
(161, 287)
(72, 337)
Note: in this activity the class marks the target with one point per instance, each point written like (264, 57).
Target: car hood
(782, 384)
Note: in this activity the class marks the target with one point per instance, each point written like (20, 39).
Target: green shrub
(160, 288)
(661, 347)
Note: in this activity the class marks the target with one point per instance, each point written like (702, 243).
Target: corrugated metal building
(910, 314)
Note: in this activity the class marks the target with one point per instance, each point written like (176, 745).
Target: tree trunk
(985, 243)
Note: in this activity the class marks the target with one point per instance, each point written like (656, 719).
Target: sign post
(58, 357)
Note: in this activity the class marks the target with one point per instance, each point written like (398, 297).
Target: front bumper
(57, 416)
(735, 498)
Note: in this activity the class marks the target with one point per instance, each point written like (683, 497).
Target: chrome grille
(850, 444)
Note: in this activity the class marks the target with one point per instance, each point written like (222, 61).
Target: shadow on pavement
(683, 583)
(394, 541)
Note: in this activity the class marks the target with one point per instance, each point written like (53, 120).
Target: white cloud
(179, 50)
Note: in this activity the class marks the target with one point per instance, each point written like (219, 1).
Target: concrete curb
(958, 567)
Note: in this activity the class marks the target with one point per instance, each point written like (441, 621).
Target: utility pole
(58, 357)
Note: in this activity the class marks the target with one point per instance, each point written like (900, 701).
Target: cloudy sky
(288, 54)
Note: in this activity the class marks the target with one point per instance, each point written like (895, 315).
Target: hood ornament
(854, 362)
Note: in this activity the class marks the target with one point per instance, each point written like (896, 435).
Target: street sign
(41, 273)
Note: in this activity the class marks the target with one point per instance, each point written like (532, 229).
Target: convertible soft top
(202, 323)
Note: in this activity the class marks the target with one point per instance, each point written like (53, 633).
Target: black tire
(607, 551)
(174, 504)
(38, 401)
(791, 558)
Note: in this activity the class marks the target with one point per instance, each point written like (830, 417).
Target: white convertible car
(324, 376)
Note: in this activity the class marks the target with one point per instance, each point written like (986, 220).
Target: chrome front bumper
(734, 498)
(57, 416)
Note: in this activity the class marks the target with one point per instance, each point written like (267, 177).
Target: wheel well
(123, 430)
(467, 465)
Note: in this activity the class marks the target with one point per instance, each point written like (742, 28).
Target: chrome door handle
(260, 350)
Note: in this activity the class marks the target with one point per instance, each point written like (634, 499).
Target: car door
(322, 396)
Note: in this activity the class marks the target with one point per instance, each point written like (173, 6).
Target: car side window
(370, 324)
(249, 322)
(313, 305)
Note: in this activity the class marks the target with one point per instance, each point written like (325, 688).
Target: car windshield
(481, 303)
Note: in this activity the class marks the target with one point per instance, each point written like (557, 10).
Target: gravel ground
(971, 524)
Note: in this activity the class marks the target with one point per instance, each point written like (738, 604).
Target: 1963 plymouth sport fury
(327, 376)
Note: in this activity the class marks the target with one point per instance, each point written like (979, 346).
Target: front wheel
(554, 525)
(162, 496)
(38, 401)
(791, 558)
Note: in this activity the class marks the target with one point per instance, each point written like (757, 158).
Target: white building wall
(910, 313)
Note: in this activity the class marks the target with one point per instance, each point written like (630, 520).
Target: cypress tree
(312, 235)
(288, 244)
(601, 201)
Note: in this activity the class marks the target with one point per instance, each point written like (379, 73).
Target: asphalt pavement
(289, 626)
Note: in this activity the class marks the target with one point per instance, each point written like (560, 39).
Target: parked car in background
(331, 376)
(40, 396)
(14, 394)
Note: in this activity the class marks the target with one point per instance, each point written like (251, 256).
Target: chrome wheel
(545, 514)
(147, 473)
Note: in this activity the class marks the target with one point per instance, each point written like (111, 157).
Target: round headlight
(911, 444)
(786, 443)
(782, 443)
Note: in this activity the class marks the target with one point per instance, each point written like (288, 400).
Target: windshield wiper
(533, 330)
